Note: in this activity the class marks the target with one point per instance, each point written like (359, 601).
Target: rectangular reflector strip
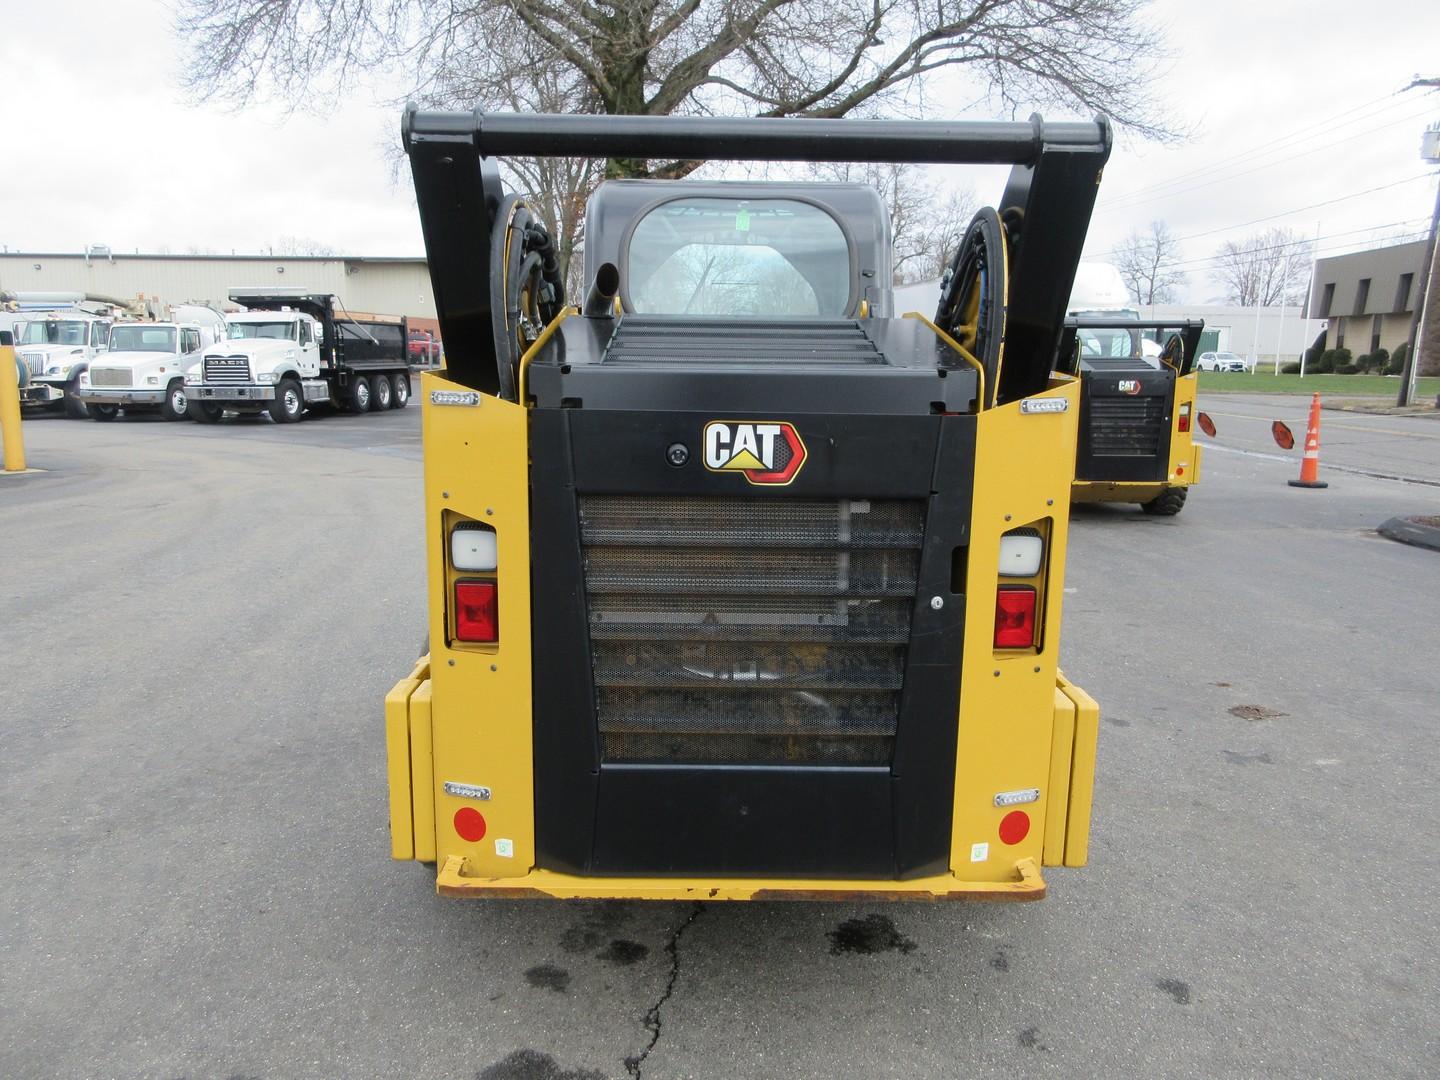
(477, 616)
(1014, 617)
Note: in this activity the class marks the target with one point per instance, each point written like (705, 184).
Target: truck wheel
(74, 407)
(203, 412)
(383, 398)
(360, 395)
(289, 403)
(401, 397)
(103, 412)
(176, 403)
(1167, 504)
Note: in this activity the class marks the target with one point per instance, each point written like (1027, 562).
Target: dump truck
(291, 350)
(1138, 390)
(743, 585)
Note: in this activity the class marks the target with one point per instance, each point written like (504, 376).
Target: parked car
(424, 349)
(1222, 361)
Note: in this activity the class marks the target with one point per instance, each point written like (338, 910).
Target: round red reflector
(470, 824)
(1179, 470)
(1014, 826)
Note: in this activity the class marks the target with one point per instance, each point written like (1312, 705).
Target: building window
(1326, 300)
(1402, 292)
(1362, 295)
(1339, 333)
(1375, 323)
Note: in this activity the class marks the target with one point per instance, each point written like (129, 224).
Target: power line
(1126, 202)
(1299, 134)
(1286, 244)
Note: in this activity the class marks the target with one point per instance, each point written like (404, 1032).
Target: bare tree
(299, 245)
(1149, 264)
(926, 220)
(1265, 268)
(763, 57)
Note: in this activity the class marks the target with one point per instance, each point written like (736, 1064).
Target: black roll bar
(1055, 172)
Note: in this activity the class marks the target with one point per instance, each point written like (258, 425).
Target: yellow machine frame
(465, 710)
(1185, 455)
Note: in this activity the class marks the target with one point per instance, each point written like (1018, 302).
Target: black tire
(384, 393)
(358, 399)
(177, 403)
(288, 405)
(1167, 504)
(400, 385)
(75, 407)
(103, 413)
(204, 412)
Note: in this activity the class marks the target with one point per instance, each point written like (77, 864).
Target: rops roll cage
(1178, 351)
(1046, 204)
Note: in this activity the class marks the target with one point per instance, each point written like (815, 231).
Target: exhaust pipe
(600, 301)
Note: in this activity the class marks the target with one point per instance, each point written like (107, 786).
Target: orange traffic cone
(1310, 463)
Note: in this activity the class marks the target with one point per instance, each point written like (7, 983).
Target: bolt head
(937, 602)
(677, 454)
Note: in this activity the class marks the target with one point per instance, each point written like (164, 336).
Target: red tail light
(1184, 424)
(1015, 617)
(477, 611)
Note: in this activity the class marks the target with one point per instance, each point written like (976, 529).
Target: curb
(1411, 532)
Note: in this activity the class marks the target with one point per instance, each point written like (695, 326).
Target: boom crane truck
(741, 585)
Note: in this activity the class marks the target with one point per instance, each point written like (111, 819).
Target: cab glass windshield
(284, 331)
(756, 257)
(142, 339)
(55, 332)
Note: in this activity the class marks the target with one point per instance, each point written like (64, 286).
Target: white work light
(472, 547)
(1021, 554)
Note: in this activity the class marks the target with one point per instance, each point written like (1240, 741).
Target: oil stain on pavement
(872, 934)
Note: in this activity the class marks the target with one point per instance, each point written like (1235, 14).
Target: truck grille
(111, 376)
(749, 630)
(227, 369)
(1126, 426)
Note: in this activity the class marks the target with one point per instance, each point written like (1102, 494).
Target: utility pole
(1425, 298)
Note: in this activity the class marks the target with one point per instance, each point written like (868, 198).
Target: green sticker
(742, 221)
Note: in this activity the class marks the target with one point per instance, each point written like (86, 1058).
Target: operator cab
(736, 250)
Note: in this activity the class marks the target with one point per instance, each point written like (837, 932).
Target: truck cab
(56, 349)
(292, 350)
(144, 368)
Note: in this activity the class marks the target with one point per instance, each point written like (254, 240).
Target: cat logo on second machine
(766, 452)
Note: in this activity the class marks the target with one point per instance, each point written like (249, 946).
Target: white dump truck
(56, 348)
(292, 350)
(143, 369)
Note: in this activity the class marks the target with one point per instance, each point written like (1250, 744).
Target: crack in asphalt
(634, 1064)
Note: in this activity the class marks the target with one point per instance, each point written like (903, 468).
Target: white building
(392, 286)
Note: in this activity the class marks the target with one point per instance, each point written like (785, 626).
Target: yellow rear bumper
(411, 772)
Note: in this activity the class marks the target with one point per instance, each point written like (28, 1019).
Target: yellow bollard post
(10, 410)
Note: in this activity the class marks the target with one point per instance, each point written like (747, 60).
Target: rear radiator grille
(749, 630)
(1126, 426)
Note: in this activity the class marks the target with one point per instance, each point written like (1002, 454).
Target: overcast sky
(1292, 107)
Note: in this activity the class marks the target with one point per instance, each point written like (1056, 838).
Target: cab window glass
(305, 337)
(738, 257)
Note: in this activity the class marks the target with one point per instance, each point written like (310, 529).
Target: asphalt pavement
(199, 624)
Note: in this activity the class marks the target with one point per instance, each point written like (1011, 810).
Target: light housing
(1015, 607)
(477, 612)
(473, 548)
(1183, 423)
(1022, 553)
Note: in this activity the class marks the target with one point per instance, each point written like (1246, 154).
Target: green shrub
(1324, 364)
(1342, 356)
(1346, 369)
(1362, 363)
(1292, 368)
(1380, 358)
(1397, 359)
